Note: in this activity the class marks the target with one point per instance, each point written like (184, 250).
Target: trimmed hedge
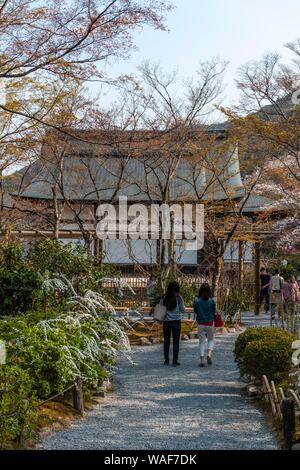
(264, 351)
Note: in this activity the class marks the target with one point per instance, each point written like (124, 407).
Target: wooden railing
(139, 285)
(285, 406)
(78, 404)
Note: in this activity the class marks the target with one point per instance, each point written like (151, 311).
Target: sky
(235, 30)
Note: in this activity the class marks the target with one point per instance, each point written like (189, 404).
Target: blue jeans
(265, 295)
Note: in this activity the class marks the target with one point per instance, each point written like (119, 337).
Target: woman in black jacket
(172, 322)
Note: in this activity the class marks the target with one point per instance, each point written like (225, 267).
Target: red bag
(218, 320)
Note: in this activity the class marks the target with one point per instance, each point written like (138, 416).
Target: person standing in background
(265, 281)
(276, 285)
(290, 292)
(172, 323)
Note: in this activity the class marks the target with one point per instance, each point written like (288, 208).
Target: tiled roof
(140, 179)
(255, 203)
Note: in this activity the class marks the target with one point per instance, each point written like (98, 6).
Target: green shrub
(17, 405)
(188, 293)
(81, 342)
(55, 330)
(236, 301)
(11, 254)
(52, 257)
(20, 283)
(20, 290)
(291, 269)
(270, 357)
(54, 352)
(264, 351)
(256, 333)
(23, 275)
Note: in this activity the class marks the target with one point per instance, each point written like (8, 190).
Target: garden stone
(145, 341)
(253, 391)
(107, 384)
(239, 328)
(155, 340)
(193, 335)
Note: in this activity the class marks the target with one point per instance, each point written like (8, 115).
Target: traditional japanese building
(58, 194)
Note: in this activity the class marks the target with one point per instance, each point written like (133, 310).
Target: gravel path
(172, 408)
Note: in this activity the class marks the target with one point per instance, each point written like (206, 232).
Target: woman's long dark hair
(171, 295)
(205, 291)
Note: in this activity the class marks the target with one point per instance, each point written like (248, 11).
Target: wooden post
(96, 246)
(288, 421)
(78, 396)
(163, 252)
(98, 249)
(98, 243)
(90, 243)
(241, 265)
(158, 259)
(257, 277)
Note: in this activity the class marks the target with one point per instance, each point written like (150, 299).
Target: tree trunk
(216, 274)
(172, 249)
(241, 265)
(172, 258)
(56, 213)
(160, 265)
(217, 266)
(257, 277)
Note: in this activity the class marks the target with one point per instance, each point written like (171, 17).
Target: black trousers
(265, 294)
(171, 328)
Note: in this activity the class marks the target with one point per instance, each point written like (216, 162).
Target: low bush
(17, 405)
(236, 301)
(271, 357)
(82, 342)
(55, 352)
(41, 350)
(264, 351)
(254, 334)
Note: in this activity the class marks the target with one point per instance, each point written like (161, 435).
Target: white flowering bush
(277, 183)
(62, 330)
(82, 342)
